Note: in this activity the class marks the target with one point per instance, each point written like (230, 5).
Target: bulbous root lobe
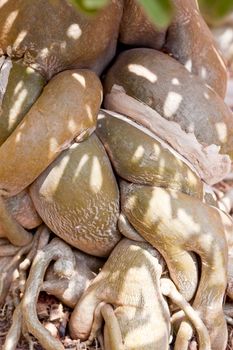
(23, 164)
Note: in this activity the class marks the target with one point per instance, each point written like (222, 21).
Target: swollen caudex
(139, 156)
(73, 187)
(67, 108)
(164, 84)
(69, 39)
(77, 197)
(187, 38)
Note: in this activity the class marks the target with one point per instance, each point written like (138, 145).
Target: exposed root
(169, 289)
(229, 320)
(169, 229)
(184, 336)
(40, 241)
(226, 202)
(14, 333)
(112, 328)
(13, 336)
(65, 263)
(8, 266)
(129, 281)
(70, 290)
(8, 250)
(16, 234)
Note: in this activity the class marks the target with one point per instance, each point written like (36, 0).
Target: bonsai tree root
(169, 226)
(131, 303)
(70, 290)
(129, 281)
(174, 258)
(15, 233)
(67, 278)
(16, 261)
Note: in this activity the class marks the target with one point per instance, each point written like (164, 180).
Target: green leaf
(90, 6)
(159, 11)
(216, 9)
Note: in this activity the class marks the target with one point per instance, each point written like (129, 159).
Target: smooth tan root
(112, 331)
(14, 333)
